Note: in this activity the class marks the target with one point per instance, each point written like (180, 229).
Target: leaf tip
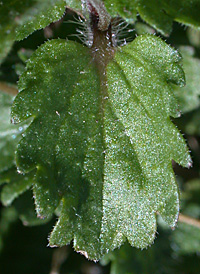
(189, 164)
(84, 253)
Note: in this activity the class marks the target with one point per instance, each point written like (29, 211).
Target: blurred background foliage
(23, 237)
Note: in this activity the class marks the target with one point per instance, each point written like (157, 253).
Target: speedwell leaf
(158, 13)
(102, 151)
(18, 19)
(67, 144)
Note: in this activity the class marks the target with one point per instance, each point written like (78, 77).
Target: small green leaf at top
(18, 19)
(102, 141)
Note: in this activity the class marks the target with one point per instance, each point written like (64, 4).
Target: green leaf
(25, 208)
(127, 260)
(16, 185)
(142, 28)
(18, 19)
(70, 130)
(9, 134)
(188, 97)
(102, 147)
(139, 168)
(123, 8)
(9, 137)
(168, 248)
(158, 13)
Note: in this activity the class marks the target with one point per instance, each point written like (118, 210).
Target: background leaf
(18, 19)
(188, 97)
(16, 185)
(158, 13)
(9, 134)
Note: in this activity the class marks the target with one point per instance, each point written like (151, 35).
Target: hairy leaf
(102, 147)
(124, 8)
(142, 100)
(25, 208)
(127, 260)
(158, 13)
(18, 19)
(68, 141)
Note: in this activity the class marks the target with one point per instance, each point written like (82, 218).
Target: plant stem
(58, 258)
(189, 220)
(6, 88)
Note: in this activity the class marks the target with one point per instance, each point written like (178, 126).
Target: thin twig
(189, 220)
(58, 258)
(4, 87)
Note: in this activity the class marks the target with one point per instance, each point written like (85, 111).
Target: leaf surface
(18, 19)
(123, 8)
(25, 208)
(158, 13)
(16, 185)
(102, 154)
(142, 141)
(66, 144)
(9, 134)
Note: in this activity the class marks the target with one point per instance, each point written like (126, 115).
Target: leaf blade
(18, 19)
(158, 13)
(79, 136)
(148, 128)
